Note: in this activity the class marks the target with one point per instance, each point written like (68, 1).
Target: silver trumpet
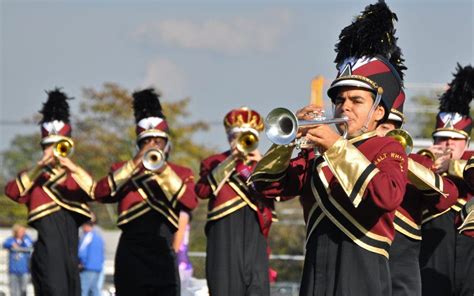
(153, 159)
(281, 126)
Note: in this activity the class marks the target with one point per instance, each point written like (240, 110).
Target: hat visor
(395, 117)
(450, 133)
(151, 133)
(53, 139)
(348, 82)
(242, 129)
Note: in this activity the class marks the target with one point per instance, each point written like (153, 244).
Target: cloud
(228, 36)
(166, 76)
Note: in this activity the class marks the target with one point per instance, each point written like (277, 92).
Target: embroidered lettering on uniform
(399, 158)
(380, 158)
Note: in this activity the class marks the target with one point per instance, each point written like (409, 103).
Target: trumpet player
(150, 192)
(56, 191)
(350, 192)
(447, 249)
(238, 221)
(424, 189)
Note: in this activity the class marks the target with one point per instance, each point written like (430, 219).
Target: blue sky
(221, 54)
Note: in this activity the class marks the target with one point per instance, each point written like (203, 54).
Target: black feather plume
(56, 107)
(460, 93)
(146, 103)
(371, 34)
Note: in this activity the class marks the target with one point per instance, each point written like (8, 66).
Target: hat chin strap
(376, 103)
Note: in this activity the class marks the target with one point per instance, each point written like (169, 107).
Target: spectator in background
(19, 246)
(180, 245)
(91, 259)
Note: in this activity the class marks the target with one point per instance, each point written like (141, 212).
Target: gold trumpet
(64, 148)
(402, 137)
(153, 159)
(427, 153)
(247, 142)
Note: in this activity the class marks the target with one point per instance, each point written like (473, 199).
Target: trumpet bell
(64, 148)
(402, 137)
(427, 153)
(281, 126)
(247, 142)
(153, 159)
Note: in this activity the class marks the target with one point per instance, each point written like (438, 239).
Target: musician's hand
(441, 163)
(254, 156)
(68, 164)
(322, 136)
(137, 160)
(48, 156)
(308, 113)
(236, 153)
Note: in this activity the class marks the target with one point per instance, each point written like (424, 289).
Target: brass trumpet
(247, 142)
(427, 153)
(281, 125)
(403, 137)
(63, 148)
(153, 159)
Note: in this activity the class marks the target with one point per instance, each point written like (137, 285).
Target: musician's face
(355, 103)
(384, 128)
(153, 142)
(456, 146)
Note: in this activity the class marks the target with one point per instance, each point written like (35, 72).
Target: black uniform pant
(55, 263)
(334, 265)
(145, 262)
(237, 261)
(404, 266)
(446, 258)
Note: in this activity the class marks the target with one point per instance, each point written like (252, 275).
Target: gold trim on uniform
(226, 204)
(459, 205)
(274, 162)
(456, 167)
(413, 225)
(227, 212)
(170, 183)
(351, 168)
(423, 178)
(169, 214)
(26, 179)
(123, 219)
(121, 176)
(467, 216)
(309, 232)
(84, 180)
(57, 177)
(243, 196)
(427, 217)
(328, 214)
(32, 218)
(222, 170)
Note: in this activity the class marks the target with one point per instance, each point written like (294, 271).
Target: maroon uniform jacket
(456, 174)
(139, 191)
(234, 194)
(46, 190)
(357, 184)
(426, 189)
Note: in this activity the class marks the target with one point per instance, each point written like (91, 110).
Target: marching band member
(237, 221)
(55, 191)
(150, 192)
(425, 188)
(351, 191)
(447, 249)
